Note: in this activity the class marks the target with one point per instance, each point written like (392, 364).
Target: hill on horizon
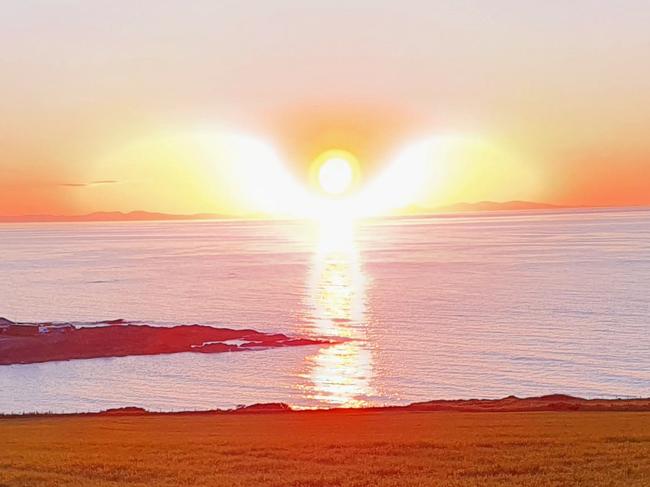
(140, 215)
(101, 216)
(513, 205)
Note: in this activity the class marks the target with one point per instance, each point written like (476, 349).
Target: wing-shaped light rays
(216, 171)
(403, 181)
(263, 184)
(199, 171)
(434, 172)
(447, 169)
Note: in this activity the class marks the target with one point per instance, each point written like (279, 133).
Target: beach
(328, 448)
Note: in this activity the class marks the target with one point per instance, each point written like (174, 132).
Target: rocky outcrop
(267, 407)
(122, 339)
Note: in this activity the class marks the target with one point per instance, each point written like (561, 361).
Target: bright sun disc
(335, 175)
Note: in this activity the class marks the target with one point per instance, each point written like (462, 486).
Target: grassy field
(398, 448)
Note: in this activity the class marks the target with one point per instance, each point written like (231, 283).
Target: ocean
(482, 306)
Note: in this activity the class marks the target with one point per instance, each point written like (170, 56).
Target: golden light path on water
(338, 375)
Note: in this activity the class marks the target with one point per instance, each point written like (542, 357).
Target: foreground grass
(312, 449)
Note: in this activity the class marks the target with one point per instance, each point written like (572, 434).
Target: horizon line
(462, 208)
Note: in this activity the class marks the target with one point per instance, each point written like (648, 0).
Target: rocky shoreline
(28, 343)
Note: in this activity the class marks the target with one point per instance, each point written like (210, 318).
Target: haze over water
(487, 306)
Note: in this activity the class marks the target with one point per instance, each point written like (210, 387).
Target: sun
(335, 175)
(335, 171)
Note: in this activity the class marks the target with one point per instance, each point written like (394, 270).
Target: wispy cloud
(91, 183)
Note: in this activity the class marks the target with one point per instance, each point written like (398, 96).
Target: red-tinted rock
(119, 340)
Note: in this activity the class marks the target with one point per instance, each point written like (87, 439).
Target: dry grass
(329, 449)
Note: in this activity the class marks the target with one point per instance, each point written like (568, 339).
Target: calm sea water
(522, 304)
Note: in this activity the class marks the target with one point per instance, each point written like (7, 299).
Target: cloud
(104, 181)
(92, 183)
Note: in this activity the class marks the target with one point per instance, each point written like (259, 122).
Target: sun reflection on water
(338, 375)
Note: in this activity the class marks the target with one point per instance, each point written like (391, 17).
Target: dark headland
(26, 343)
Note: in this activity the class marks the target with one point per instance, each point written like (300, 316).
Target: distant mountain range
(496, 206)
(105, 216)
(108, 216)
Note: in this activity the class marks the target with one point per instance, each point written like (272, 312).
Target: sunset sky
(179, 106)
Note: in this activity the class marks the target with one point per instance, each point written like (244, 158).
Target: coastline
(509, 404)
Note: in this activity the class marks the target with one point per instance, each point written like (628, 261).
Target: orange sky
(101, 104)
